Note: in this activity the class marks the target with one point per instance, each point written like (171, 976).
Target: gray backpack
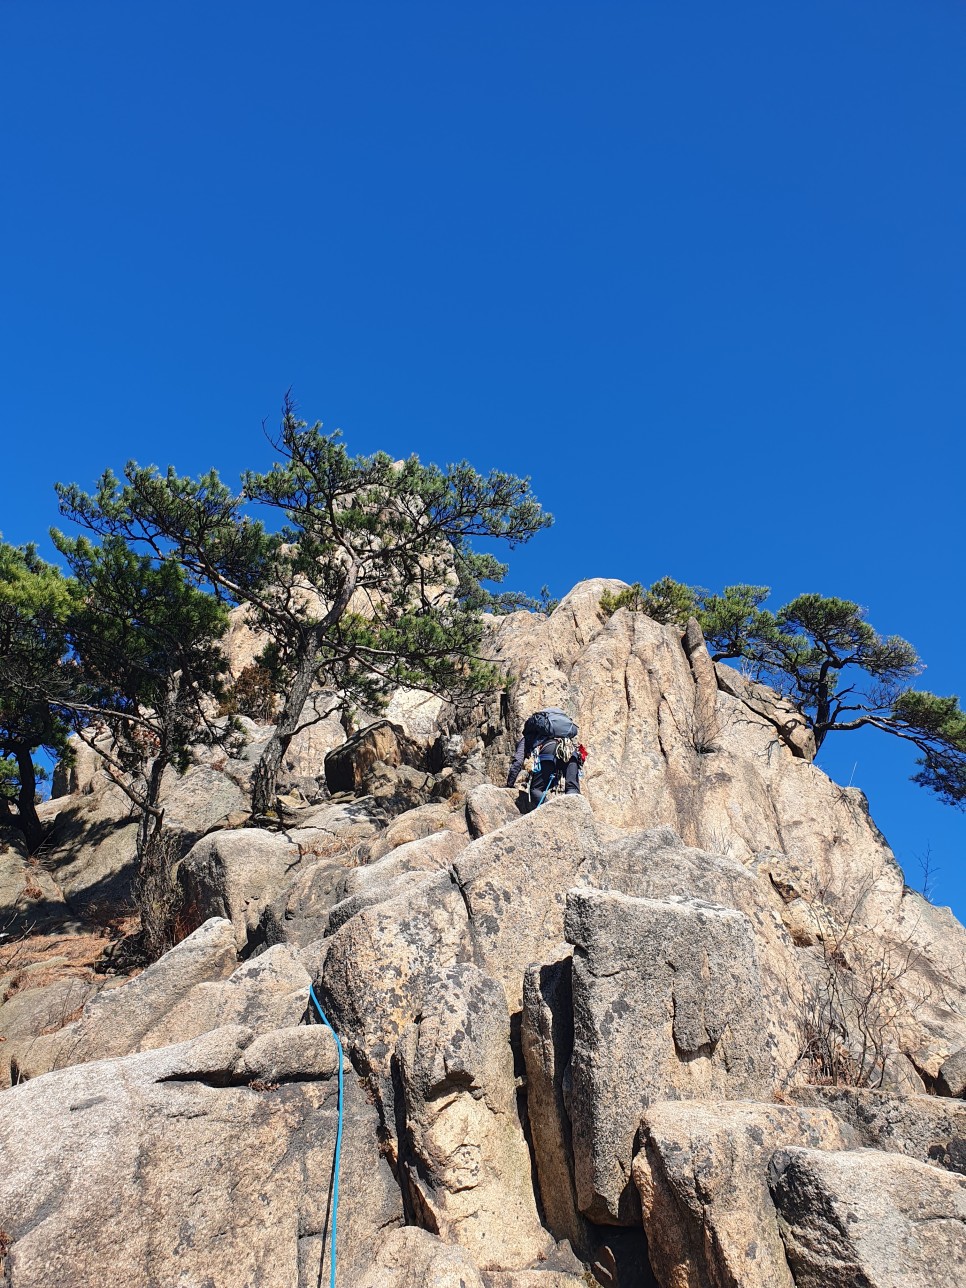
(550, 723)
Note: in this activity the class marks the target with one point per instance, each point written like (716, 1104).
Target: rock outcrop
(616, 1040)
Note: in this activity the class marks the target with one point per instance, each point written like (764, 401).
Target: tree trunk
(27, 820)
(265, 778)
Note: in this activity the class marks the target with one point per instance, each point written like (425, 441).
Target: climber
(548, 740)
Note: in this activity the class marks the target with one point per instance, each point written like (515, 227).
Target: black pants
(547, 776)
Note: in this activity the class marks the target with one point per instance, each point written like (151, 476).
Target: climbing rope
(553, 779)
(338, 1143)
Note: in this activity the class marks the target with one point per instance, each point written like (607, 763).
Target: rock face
(666, 1006)
(177, 1158)
(465, 1158)
(586, 1044)
(196, 987)
(868, 1218)
(702, 1175)
(737, 782)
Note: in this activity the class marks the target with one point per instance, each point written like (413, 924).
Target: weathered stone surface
(515, 883)
(348, 822)
(118, 1021)
(347, 766)
(368, 895)
(702, 1177)
(90, 849)
(737, 788)
(405, 920)
(295, 1053)
(371, 975)
(300, 914)
(427, 854)
(330, 840)
(666, 1005)
(269, 992)
(778, 711)
(416, 712)
(489, 808)
(928, 1128)
(547, 1034)
(413, 825)
(199, 800)
(656, 864)
(533, 1279)
(399, 788)
(85, 773)
(861, 1217)
(35, 1009)
(243, 642)
(235, 875)
(952, 1075)
(414, 1258)
(159, 1176)
(29, 896)
(322, 731)
(465, 1159)
(705, 724)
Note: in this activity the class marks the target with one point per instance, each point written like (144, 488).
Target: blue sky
(696, 268)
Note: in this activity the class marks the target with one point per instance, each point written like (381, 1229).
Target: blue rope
(338, 1142)
(553, 779)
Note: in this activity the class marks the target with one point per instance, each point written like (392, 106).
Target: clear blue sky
(697, 268)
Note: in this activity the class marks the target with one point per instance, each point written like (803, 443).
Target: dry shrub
(862, 996)
(252, 695)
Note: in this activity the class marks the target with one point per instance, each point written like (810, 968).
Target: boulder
(399, 788)
(514, 883)
(427, 854)
(330, 841)
(931, 1129)
(952, 1075)
(465, 1160)
(199, 800)
(164, 1174)
(235, 875)
(81, 772)
(862, 1217)
(416, 712)
(488, 808)
(372, 973)
(30, 1011)
(267, 993)
(702, 1176)
(300, 914)
(90, 850)
(29, 896)
(271, 991)
(667, 1004)
(118, 1021)
(348, 766)
(414, 1258)
(426, 820)
(304, 1051)
(656, 864)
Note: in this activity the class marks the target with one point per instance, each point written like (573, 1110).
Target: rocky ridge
(616, 1040)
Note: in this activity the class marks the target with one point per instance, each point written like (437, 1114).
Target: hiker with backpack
(549, 742)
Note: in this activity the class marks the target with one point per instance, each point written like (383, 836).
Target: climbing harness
(566, 751)
(338, 1142)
